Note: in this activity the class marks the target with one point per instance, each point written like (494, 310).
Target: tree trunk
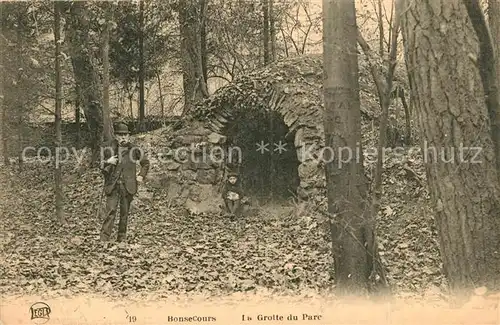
(190, 23)
(272, 29)
(401, 95)
(265, 31)
(450, 109)
(106, 118)
(494, 23)
(381, 30)
(57, 122)
(131, 104)
(86, 76)
(487, 70)
(20, 138)
(162, 104)
(5, 134)
(201, 60)
(347, 188)
(203, 40)
(20, 102)
(142, 103)
(77, 119)
(3, 81)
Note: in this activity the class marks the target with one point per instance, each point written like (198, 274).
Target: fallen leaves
(170, 251)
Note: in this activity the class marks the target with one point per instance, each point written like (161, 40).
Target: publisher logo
(40, 313)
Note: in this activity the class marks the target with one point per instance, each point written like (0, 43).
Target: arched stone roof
(292, 87)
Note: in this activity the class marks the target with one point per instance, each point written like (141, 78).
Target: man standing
(120, 181)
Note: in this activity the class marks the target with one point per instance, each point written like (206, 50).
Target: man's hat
(232, 174)
(121, 128)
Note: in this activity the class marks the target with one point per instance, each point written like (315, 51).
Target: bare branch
(378, 78)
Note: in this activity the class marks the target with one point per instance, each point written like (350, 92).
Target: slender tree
(58, 106)
(142, 104)
(272, 29)
(352, 229)
(106, 118)
(3, 80)
(265, 31)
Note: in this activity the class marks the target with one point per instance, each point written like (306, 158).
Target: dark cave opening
(270, 173)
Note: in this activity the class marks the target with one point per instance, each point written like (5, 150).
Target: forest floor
(168, 250)
(277, 251)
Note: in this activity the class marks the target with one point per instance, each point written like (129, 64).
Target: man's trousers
(119, 196)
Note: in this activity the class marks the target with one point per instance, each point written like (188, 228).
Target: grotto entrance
(268, 165)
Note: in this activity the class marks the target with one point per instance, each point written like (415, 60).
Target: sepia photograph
(250, 161)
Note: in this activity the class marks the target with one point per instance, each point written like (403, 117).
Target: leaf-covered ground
(169, 251)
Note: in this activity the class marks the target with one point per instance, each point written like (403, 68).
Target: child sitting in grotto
(232, 194)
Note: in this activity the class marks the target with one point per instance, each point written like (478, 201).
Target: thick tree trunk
(191, 20)
(458, 148)
(57, 122)
(487, 70)
(346, 182)
(86, 76)
(494, 23)
(106, 116)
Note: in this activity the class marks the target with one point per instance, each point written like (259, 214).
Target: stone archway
(292, 89)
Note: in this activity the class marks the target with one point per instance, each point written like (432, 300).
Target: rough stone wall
(188, 165)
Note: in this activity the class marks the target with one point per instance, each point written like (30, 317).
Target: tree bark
(347, 189)
(86, 76)
(203, 40)
(191, 20)
(58, 105)
(451, 112)
(106, 116)
(494, 23)
(3, 82)
(201, 59)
